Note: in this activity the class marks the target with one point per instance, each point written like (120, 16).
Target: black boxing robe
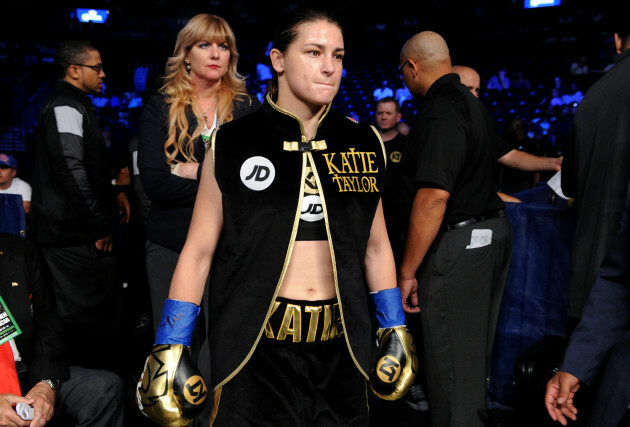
(260, 163)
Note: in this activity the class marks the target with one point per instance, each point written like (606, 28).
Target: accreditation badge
(9, 329)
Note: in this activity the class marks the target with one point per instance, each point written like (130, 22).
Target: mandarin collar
(289, 125)
(71, 87)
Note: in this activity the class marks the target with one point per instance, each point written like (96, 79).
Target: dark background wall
(484, 34)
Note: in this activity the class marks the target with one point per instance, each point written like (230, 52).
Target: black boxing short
(300, 374)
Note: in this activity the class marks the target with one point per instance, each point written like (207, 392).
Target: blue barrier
(535, 299)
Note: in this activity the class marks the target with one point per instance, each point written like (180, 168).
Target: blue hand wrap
(177, 323)
(388, 308)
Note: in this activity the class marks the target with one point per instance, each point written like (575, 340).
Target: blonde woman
(202, 90)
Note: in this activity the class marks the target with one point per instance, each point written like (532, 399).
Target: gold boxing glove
(397, 362)
(171, 390)
(396, 365)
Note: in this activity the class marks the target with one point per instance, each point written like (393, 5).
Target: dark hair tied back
(288, 32)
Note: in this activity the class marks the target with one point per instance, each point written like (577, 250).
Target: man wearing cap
(10, 184)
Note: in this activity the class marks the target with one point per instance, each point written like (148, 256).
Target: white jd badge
(257, 173)
(312, 209)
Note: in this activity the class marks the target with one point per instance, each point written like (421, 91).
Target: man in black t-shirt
(459, 240)
(387, 117)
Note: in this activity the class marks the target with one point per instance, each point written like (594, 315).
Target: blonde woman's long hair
(179, 90)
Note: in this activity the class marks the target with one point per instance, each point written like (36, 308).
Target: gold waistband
(304, 321)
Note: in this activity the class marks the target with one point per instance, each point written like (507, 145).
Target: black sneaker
(416, 398)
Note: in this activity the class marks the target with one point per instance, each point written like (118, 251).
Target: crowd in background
(532, 103)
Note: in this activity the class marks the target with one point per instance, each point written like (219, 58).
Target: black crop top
(312, 225)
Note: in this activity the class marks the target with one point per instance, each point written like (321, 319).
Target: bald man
(509, 156)
(459, 241)
(469, 78)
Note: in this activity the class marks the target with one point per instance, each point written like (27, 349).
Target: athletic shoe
(416, 398)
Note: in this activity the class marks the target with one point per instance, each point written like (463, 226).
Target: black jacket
(31, 304)
(72, 191)
(172, 197)
(595, 171)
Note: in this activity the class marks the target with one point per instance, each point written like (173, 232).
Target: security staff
(459, 241)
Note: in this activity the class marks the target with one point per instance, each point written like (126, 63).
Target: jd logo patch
(257, 173)
(312, 209)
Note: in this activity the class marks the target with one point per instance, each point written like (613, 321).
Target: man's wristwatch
(54, 383)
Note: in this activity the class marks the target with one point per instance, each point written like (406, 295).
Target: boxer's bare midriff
(309, 276)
